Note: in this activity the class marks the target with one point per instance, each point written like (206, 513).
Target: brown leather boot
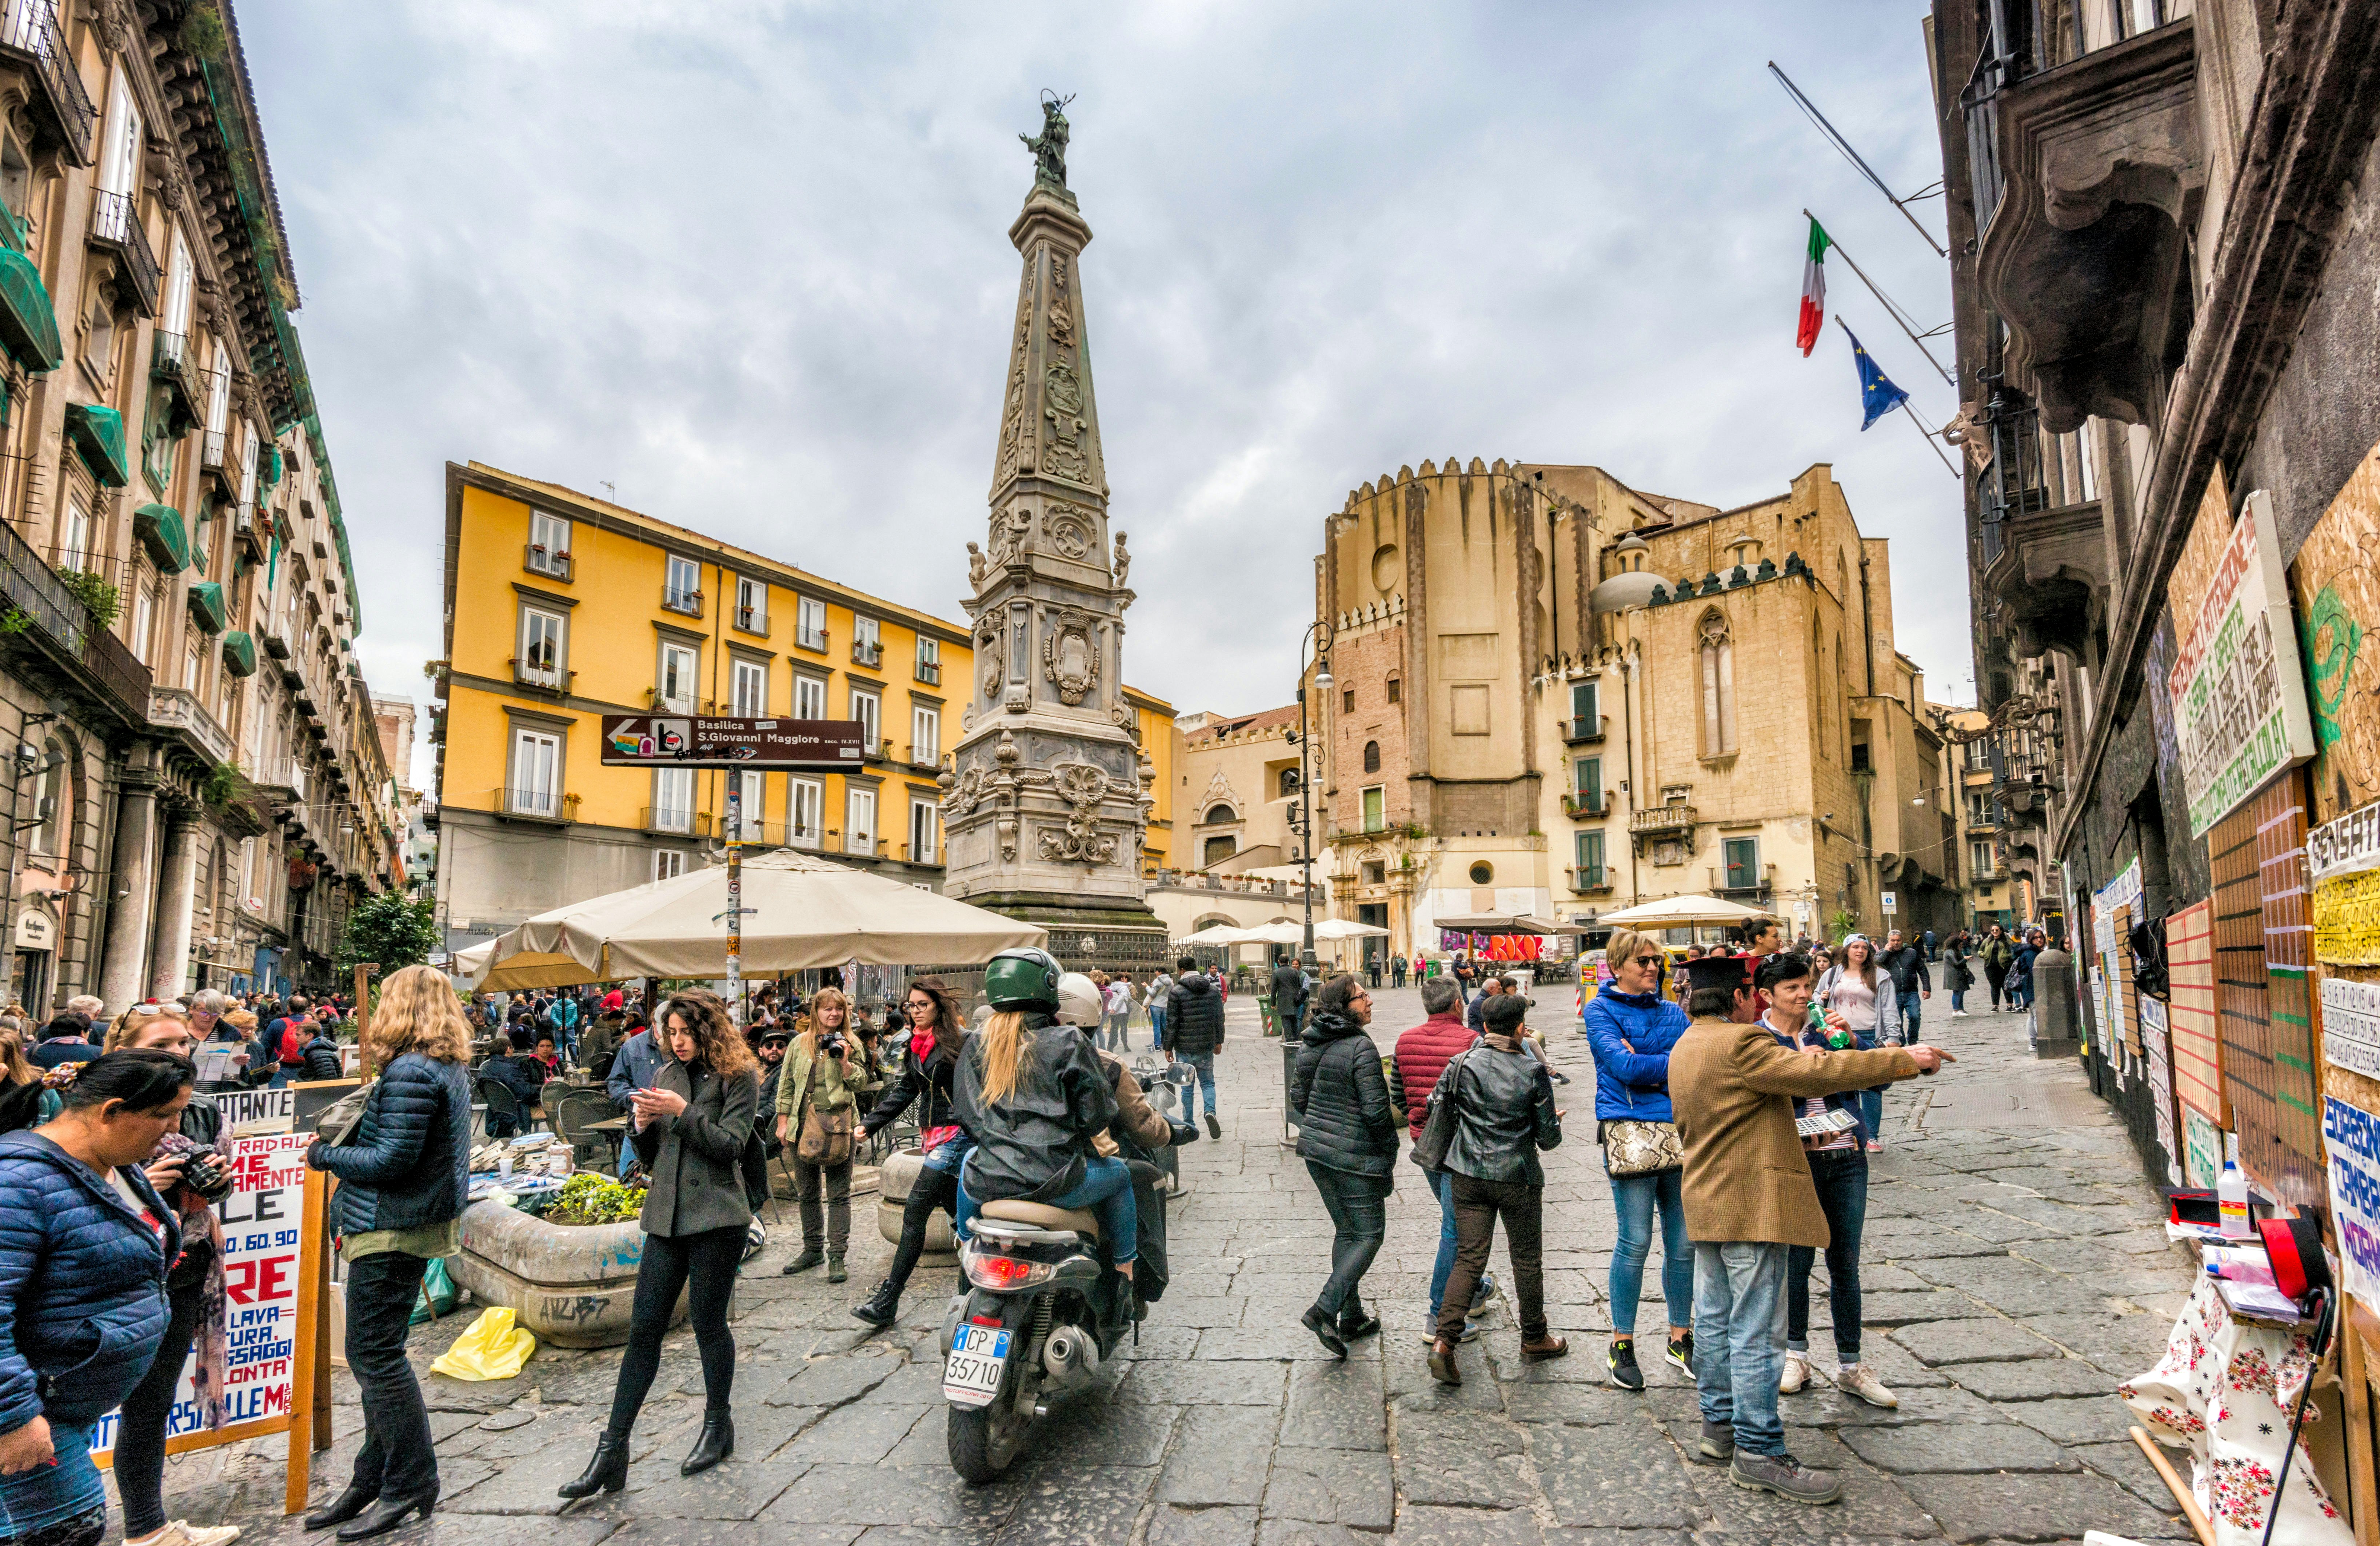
(1537, 1349)
(1441, 1363)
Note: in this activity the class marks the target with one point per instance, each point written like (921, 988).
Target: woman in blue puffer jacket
(403, 1181)
(1631, 1028)
(85, 1242)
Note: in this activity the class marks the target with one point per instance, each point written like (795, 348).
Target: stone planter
(571, 1284)
(894, 1180)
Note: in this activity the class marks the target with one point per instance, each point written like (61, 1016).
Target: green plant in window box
(104, 601)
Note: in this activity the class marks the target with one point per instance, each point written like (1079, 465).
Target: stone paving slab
(2012, 1275)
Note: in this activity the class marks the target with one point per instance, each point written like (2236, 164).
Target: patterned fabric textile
(2224, 1391)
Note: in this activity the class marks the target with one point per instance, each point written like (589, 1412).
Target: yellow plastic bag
(492, 1349)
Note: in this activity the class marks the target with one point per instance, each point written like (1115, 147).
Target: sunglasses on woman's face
(1649, 960)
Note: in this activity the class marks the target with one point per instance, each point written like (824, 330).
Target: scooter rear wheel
(984, 1440)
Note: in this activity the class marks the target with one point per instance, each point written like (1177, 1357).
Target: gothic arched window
(1371, 757)
(1218, 815)
(1718, 685)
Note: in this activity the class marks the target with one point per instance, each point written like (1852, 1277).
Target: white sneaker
(1796, 1375)
(1855, 1380)
(181, 1533)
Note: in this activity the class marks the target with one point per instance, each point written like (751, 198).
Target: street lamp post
(1314, 646)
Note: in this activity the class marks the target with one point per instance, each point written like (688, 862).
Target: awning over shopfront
(161, 534)
(97, 435)
(207, 609)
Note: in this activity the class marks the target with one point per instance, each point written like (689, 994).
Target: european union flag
(1877, 394)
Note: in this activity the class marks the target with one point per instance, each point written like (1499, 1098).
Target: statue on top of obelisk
(1046, 800)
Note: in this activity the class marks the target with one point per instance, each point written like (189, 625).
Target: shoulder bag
(825, 1137)
(1637, 1148)
(1438, 1128)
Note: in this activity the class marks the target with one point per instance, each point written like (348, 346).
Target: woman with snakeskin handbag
(1631, 1029)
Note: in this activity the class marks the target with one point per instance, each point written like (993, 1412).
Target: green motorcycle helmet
(1023, 978)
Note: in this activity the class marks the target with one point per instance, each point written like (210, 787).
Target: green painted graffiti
(2332, 639)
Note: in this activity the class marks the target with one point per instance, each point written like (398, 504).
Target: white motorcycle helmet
(1079, 1002)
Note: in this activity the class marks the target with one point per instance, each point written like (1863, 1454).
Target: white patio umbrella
(1282, 932)
(1342, 928)
(1216, 933)
(799, 913)
(1677, 912)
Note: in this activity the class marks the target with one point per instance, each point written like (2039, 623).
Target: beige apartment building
(196, 794)
(1538, 706)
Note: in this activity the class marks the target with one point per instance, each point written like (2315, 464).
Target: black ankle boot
(607, 1472)
(386, 1513)
(344, 1507)
(881, 1308)
(716, 1444)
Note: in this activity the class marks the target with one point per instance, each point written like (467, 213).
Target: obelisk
(1047, 799)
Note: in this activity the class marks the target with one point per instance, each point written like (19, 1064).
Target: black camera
(834, 1045)
(205, 1174)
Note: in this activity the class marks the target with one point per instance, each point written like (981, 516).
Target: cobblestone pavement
(2014, 1270)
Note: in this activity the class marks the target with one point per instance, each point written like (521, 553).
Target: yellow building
(562, 608)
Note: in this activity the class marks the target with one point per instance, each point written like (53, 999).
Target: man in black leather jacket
(1503, 1106)
(1194, 1033)
(1288, 994)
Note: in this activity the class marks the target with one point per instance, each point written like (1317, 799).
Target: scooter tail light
(1004, 1273)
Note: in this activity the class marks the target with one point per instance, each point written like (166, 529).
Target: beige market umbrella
(1671, 912)
(1342, 928)
(799, 911)
(1216, 933)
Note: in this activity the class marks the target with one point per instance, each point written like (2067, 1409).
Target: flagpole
(1890, 310)
(1845, 145)
(1929, 438)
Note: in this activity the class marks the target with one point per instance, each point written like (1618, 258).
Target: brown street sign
(693, 740)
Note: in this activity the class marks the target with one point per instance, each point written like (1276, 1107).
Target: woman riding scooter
(1032, 1097)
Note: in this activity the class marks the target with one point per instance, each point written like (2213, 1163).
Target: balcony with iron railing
(866, 652)
(1584, 805)
(539, 559)
(55, 616)
(171, 367)
(930, 672)
(116, 226)
(675, 599)
(809, 637)
(752, 620)
(30, 34)
(674, 821)
(537, 804)
(1584, 731)
(1591, 880)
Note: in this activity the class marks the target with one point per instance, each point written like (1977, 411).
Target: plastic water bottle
(2231, 1198)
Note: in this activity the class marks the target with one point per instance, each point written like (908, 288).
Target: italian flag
(1814, 290)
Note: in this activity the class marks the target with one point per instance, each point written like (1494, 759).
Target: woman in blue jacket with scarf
(85, 1242)
(1631, 1028)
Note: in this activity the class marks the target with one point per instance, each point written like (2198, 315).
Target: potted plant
(570, 1276)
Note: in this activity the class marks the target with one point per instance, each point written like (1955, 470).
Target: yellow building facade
(562, 608)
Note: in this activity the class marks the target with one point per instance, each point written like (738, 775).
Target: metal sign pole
(735, 889)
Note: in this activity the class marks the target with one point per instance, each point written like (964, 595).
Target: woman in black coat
(691, 1129)
(937, 1035)
(1347, 1135)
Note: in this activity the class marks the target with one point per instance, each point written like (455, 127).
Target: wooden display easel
(308, 1420)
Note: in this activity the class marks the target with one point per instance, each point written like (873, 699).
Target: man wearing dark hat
(1749, 1198)
(771, 1047)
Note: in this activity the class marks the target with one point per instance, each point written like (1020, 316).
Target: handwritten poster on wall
(2343, 865)
(2352, 1140)
(2238, 684)
(259, 1218)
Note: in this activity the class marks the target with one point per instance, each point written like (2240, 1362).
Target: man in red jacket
(1421, 1056)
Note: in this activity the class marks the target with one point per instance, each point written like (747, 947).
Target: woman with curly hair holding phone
(690, 1128)
(405, 1177)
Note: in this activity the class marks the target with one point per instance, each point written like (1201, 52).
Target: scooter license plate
(978, 1354)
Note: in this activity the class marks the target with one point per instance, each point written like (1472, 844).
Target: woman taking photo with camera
(404, 1177)
(936, 1035)
(814, 1094)
(690, 1129)
(190, 1170)
(85, 1244)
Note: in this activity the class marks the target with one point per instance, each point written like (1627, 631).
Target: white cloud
(749, 264)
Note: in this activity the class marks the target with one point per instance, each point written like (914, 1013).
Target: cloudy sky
(747, 264)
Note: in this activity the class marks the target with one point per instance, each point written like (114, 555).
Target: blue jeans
(1842, 1179)
(1635, 1198)
(1202, 1064)
(1105, 1188)
(1156, 1026)
(1958, 1000)
(1913, 1011)
(1739, 1338)
(1872, 1113)
(1441, 1185)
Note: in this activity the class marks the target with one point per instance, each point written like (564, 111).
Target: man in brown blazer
(1749, 1198)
